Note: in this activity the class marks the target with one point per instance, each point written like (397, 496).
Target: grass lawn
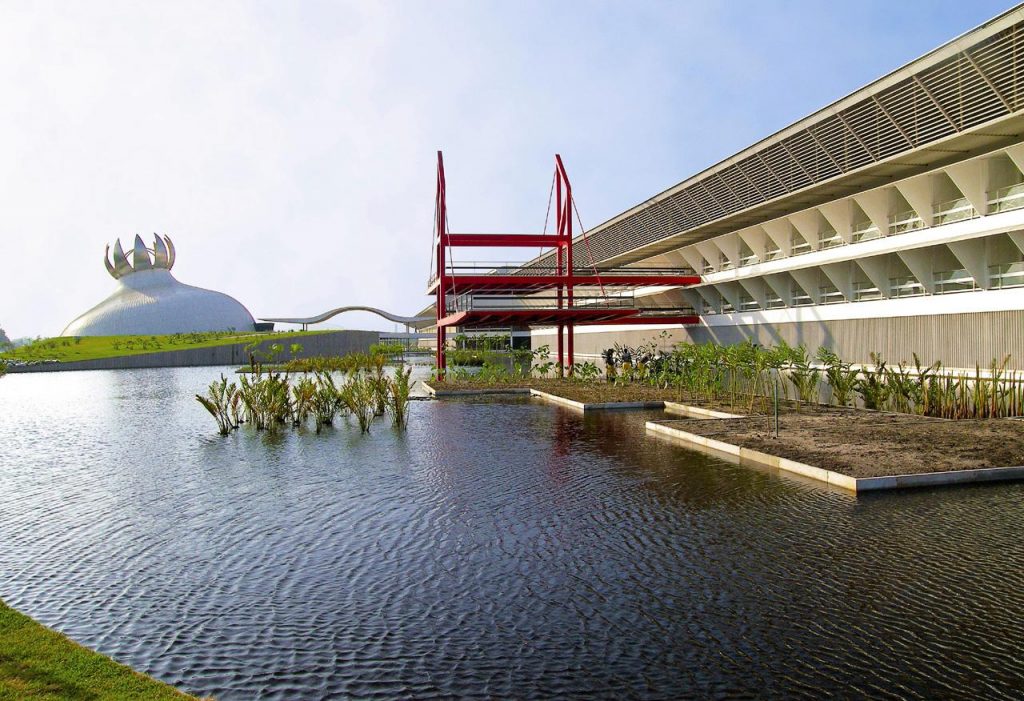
(38, 663)
(93, 347)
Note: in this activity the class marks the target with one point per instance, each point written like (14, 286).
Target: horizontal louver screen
(971, 88)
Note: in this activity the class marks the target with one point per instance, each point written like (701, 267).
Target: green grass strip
(67, 349)
(38, 663)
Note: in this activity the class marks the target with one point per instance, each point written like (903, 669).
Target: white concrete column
(972, 256)
(917, 192)
(875, 204)
(971, 178)
(840, 216)
(876, 268)
(919, 261)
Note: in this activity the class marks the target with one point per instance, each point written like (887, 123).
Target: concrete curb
(594, 406)
(674, 407)
(442, 393)
(696, 412)
(853, 484)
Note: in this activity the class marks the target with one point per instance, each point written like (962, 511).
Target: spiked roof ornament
(162, 257)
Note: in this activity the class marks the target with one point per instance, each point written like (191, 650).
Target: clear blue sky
(288, 148)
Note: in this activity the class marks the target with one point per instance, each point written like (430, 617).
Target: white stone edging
(472, 392)
(854, 484)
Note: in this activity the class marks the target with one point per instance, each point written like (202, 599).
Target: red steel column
(442, 252)
(558, 272)
(565, 210)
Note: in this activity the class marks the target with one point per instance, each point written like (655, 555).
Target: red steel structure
(542, 292)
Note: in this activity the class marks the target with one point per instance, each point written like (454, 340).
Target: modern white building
(149, 300)
(890, 221)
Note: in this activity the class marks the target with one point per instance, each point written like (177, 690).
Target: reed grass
(742, 375)
(399, 389)
(270, 399)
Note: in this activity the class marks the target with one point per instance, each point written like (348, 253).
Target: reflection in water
(496, 549)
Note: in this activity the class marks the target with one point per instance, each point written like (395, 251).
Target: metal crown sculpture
(163, 257)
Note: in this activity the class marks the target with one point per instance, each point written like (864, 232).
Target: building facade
(891, 221)
(149, 300)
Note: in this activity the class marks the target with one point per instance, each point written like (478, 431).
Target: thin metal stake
(775, 401)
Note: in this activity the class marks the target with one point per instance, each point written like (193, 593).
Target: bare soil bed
(872, 444)
(594, 392)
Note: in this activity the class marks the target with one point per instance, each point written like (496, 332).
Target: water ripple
(507, 549)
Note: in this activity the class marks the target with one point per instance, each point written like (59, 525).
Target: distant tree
(5, 343)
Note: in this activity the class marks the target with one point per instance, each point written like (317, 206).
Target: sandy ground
(872, 444)
(597, 393)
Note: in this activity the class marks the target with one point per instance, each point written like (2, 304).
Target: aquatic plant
(360, 399)
(389, 349)
(303, 395)
(399, 388)
(326, 400)
(378, 383)
(218, 401)
(266, 399)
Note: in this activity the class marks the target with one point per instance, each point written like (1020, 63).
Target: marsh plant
(221, 401)
(399, 389)
(360, 398)
(743, 376)
(268, 400)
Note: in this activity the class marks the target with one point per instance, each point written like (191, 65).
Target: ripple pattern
(497, 550)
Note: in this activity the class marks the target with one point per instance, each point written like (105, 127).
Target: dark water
(497, 550)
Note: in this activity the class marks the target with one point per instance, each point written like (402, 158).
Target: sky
(288, 148)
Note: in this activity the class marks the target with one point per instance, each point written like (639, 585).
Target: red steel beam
(465, 283)
(637, 320)
(503, 240)
(527, 317)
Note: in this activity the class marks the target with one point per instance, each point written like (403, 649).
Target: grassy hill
(66, 349)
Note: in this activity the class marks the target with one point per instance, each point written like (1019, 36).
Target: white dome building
(150, 301)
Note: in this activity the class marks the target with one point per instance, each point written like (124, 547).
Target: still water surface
(498, 549)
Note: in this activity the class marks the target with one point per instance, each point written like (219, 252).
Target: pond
(498, 549)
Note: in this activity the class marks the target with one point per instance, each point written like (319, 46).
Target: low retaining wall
(853, 484)
(674, 407)
(327, 343)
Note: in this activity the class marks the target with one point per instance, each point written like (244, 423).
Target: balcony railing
(830, 295)
(948, 281)
(829, 239)
(902, 222)
(727, 308)
(865, 231)
(1006, 198)
(907, 286)
(748, 260)
(1006, 275)
(866, 292)
(953, 210)
(801, 299)
(774, 303)
(708, 268)
(481, 302)
(725, 264)
(749, 305)
(773, 254)
(800, 246)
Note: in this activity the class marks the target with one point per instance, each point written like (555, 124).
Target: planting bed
(872, 444)
(589, 393)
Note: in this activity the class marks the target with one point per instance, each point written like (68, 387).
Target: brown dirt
(594, 393)
(873, 444)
